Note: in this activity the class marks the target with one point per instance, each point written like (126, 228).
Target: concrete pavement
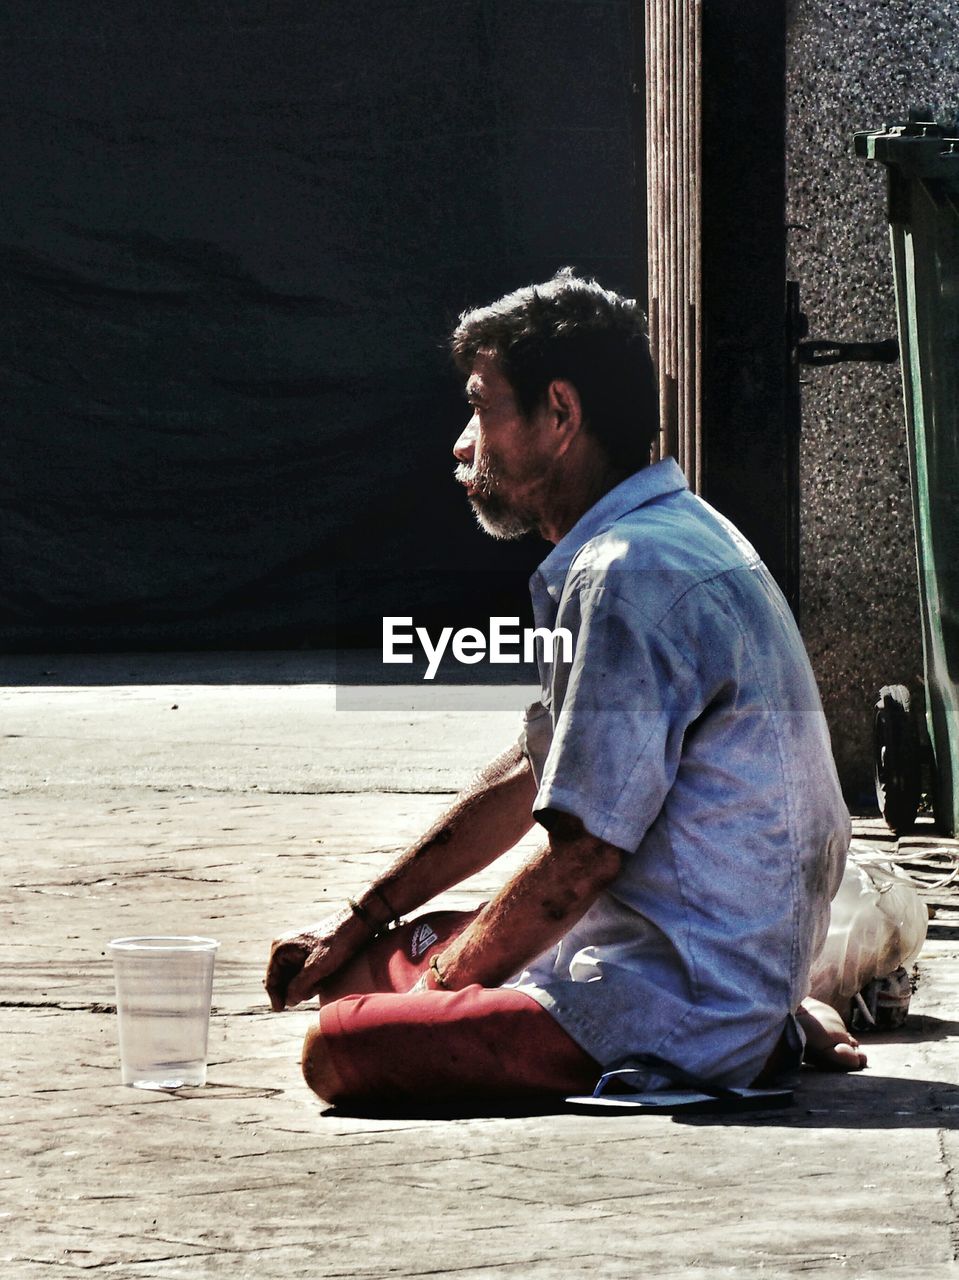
(227, 795)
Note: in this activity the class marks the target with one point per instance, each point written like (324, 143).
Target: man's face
(502, 455)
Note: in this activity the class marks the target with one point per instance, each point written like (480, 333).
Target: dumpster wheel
(898, 759)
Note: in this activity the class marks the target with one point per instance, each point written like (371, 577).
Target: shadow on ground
(823, 1100)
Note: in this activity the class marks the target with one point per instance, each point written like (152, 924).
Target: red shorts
(440, 1046)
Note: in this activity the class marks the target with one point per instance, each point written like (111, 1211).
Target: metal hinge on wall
(885, 352)
(801, 352)
(821, 352)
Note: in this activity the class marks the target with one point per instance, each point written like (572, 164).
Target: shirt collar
(654, 481)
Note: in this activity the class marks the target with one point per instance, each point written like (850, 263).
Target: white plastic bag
(877, 923)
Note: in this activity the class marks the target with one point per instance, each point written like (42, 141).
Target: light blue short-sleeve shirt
(686, 730)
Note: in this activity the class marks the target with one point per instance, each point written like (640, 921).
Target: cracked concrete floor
(227, 795)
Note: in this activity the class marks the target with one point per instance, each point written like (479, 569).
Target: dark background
(233, 238)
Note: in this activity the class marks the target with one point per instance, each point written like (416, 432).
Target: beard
(494, 513)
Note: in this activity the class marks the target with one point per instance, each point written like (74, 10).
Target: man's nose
(463, 449)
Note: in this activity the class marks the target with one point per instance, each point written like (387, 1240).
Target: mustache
(464, 474)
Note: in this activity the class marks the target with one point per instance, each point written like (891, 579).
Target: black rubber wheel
(898, 759)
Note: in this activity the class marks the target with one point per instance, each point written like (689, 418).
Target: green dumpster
(922, 161)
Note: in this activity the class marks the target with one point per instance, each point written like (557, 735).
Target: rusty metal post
(715, 146)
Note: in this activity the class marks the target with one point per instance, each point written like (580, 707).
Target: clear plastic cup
(164, 991)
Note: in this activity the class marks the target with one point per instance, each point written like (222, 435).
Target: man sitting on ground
(679, 765)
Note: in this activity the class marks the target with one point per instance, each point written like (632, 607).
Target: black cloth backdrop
(234, 236)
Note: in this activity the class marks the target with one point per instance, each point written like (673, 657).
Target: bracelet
(363, 915)
(391, 922)
(438, 978)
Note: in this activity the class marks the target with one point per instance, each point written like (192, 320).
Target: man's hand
(302, 959)
(486, 820)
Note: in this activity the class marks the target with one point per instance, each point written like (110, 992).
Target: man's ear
(566, 410)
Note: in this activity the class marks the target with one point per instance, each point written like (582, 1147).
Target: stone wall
(853, 65)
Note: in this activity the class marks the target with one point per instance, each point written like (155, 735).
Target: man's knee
(318, 1069)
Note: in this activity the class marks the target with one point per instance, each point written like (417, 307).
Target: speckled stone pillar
(856, 64)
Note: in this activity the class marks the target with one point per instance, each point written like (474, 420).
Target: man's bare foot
(829, 1045)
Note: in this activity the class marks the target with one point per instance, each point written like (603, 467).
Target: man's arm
(487, 818)
(534, 909)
